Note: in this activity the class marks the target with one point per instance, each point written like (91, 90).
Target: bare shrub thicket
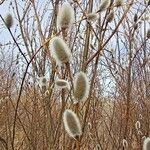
(108, 41)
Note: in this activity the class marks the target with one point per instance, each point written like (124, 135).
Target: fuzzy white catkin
(118, 3)
(9, 20)
(60, 83)
(59, 50)
(65, 16)
(92, 16)
(104, 5)
(146, 144)
(71, 123)
(81, 86)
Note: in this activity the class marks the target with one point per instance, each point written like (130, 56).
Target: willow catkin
(65, 16)
(137, 125)
(148, 3)
(118, 3)
(104, 5)
(81, 86)
(71, 123)
(9, 20)
(92, 16)
(148, 33)
(59, 50)
(60, 83)
(146, 144)
(110, 16)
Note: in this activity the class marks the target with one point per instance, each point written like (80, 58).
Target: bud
(81, 86)
(65, 16)
(92, 16)
(135, 26)
(140, 132)
(144, 18)
(137, 125)
(140, 116)
(89, 126)
(135, 18)
(46, 93)
(98, 147)
(9, 20)
(60, 51)
(72, 123)
(143, 137)
(125, 143)
(148, 33)
(104, 5)
(42, 82)
(146, 144)
(110, 16)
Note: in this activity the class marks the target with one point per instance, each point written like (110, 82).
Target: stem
(78, 143)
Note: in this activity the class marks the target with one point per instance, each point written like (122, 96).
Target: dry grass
(115, 56)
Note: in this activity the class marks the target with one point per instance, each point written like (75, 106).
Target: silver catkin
(118, 3)
(59, 50)
(146, 144)
(60, 83)
(104, 5)
(81, 86)
(92, 16)
(65, 16)
(8, 20)
(71, 123)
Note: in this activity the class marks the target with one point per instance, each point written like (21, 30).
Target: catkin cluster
(62, 55)
(9, 20)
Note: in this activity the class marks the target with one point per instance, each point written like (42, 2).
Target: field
(74, 75)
